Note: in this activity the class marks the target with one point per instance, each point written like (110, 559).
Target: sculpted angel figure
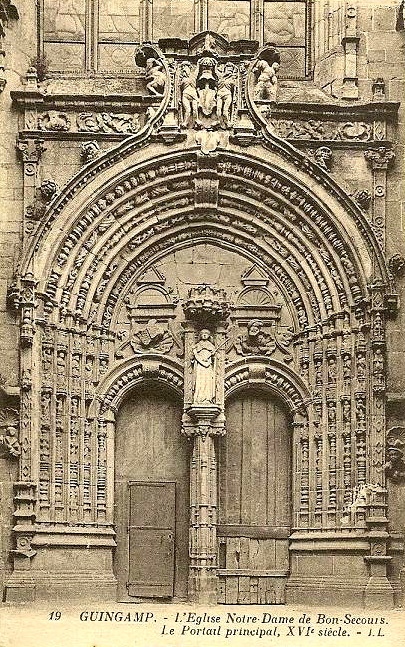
(204, 375)
(225, 94)
(189, 98)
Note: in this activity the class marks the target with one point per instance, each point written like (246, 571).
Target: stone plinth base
(378, 594)
(202, 586)
(325, 591)
(61, 586)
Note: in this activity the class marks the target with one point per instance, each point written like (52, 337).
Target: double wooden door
(254, 500)
(151, 497)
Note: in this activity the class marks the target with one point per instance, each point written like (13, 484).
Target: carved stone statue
(155, 76)
(148, 58)
(204, 371)
(265, 70)
(206, 84)
(189, 97)
(225, 95)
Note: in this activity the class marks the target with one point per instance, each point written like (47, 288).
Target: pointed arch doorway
(254, 499)
(151, 496)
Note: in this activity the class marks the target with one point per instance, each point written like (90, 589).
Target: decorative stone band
(271, 373)
(129, 372)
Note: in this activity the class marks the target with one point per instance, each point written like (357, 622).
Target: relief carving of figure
(154, 337)
(204, 369)
(256, 342)
(395, 465)
(9, 425)
(225, 95)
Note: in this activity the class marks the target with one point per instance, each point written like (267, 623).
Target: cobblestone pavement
(157, 625)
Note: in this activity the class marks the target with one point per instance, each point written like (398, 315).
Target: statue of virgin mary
(204, 374)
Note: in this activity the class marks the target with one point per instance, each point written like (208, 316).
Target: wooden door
(254, 500)
(152, 521)
(151, 496)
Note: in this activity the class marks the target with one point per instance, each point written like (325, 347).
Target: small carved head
(205, 334)
(254, 327)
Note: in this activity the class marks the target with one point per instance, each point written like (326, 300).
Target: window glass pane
(64, 20)
(173, 19)
(292, 60)
(119, 21)
(230, 18)
(116, 57)
(65, 57)
(284, 23)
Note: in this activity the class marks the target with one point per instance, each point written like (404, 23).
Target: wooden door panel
(151, 539)
(255, 500)
(151, 451)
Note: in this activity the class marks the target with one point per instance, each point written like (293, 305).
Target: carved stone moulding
(272, 374)
(132, 371)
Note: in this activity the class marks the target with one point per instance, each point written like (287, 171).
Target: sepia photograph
(202, 323)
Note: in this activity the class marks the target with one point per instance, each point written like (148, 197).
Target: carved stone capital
(380, 158)
(30, 150)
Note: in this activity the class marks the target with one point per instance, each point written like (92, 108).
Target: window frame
(201, 23)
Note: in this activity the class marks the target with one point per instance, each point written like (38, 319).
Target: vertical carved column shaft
(206, 310)
(202, 581)
(301, 428)
(379, 160)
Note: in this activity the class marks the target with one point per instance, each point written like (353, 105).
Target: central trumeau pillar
(206, 311)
